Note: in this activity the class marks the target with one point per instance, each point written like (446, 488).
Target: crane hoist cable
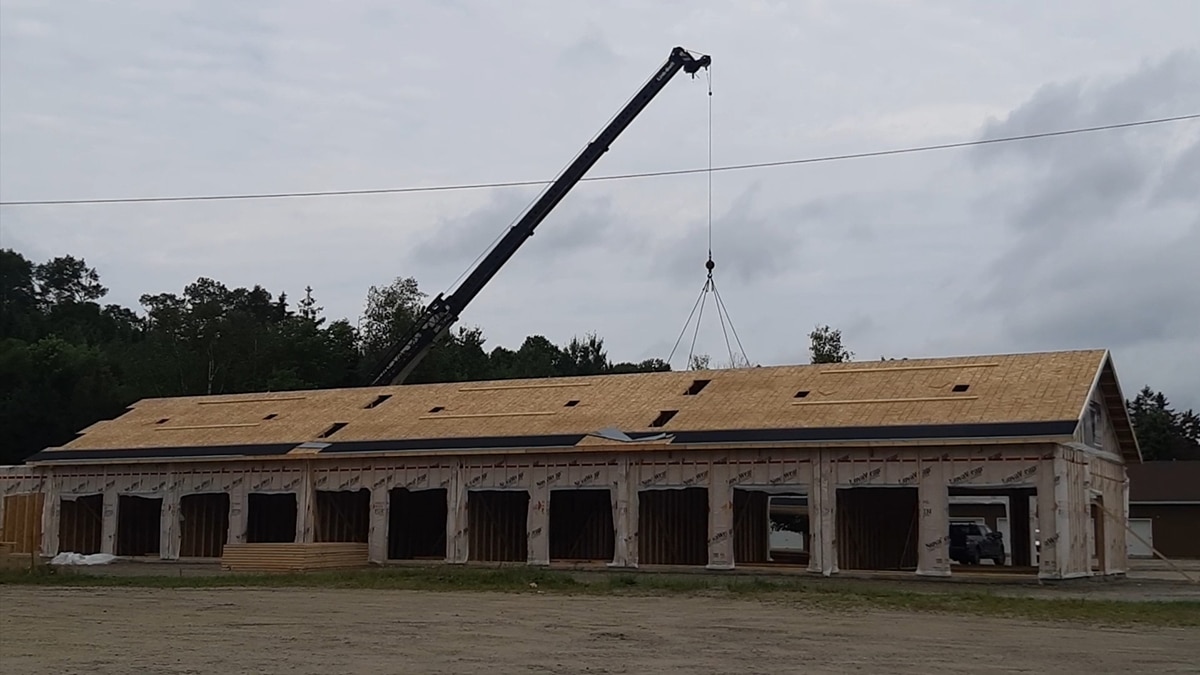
(710, 284)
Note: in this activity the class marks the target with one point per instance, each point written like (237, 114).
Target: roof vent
(961, 387)
(437, 408)
(697, 385)
(803, 393)
(271, 416)
(663, 417)
(571, 404)
(378, 399)
(333, 429)
(163, 420)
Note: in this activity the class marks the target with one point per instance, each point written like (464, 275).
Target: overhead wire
(611, 177)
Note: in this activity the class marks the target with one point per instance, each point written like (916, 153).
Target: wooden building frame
(1053, 423)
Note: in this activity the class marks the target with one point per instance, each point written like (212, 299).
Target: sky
(1073, 242)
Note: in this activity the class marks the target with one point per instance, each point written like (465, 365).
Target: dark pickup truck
(971, 542)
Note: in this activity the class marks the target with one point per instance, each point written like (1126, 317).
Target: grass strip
(817, 594)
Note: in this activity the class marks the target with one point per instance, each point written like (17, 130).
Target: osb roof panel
(1006, 388)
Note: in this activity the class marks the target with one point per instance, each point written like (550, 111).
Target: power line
(625, 176)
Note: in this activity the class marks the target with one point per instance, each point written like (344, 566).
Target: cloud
(1102, 233)
(1181, 179)
(580, 224)
(750, 244)
(591, 52)
(1060, 242)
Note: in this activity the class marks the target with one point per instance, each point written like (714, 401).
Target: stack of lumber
(293, 557)
(11, 557)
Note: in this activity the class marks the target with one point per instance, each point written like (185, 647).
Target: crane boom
(442, 312)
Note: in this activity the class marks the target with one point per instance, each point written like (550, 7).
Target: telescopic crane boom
(442, 312)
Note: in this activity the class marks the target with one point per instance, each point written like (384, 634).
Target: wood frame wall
(1064, 477)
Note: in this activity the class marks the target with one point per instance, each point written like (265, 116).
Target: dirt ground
(302, 631)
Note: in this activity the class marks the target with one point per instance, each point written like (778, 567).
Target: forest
(68, 359)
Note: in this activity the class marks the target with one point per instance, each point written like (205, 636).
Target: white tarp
(81, 559)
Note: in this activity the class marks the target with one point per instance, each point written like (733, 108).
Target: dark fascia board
(465, 443)
(908, 432)
(1014, 430)
(727, 437)
(184, 452)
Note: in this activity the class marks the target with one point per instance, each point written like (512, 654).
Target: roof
(1000, 396)
(1164, 482)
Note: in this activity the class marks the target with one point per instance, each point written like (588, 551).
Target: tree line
(68, 359)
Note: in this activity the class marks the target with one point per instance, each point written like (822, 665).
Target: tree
(1162, 432)
(50, 389)
(19, 313)
(537, 357)
(67, 279)
(584, 357)
(826, 346)
(390, 311)
(646, 366)
(308, 309)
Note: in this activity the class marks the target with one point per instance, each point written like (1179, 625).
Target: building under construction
(849, 466)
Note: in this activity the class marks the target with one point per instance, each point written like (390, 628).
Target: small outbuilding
(1164, 509)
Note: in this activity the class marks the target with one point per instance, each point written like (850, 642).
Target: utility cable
(646, 174)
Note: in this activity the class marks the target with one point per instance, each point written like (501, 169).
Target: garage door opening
(581, 526)
(673, 526)
(790, 529)
(751, 527)
(1005, 511)
(139, 525)
(343, 516)
(770, 528)
(417, 524)
(496, 521)
(79, 524)
(877, 528)
(203, 525)
(270, 517)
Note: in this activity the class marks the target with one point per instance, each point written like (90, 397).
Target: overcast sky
(1075, 242)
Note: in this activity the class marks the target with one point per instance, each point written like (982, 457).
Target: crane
(441, 313)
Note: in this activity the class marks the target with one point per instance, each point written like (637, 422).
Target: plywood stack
(11, 558)
(21, 524)
(293, 557)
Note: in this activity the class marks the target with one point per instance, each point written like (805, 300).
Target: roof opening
(803, 393)
(961, 387)
(271, 416)
(163, 420)
(697, 385)
(663, 417)
(571, 404)
(333, 429)
(378, 399)
(437, 408)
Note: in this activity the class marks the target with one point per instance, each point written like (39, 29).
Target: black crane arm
(442, 312)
